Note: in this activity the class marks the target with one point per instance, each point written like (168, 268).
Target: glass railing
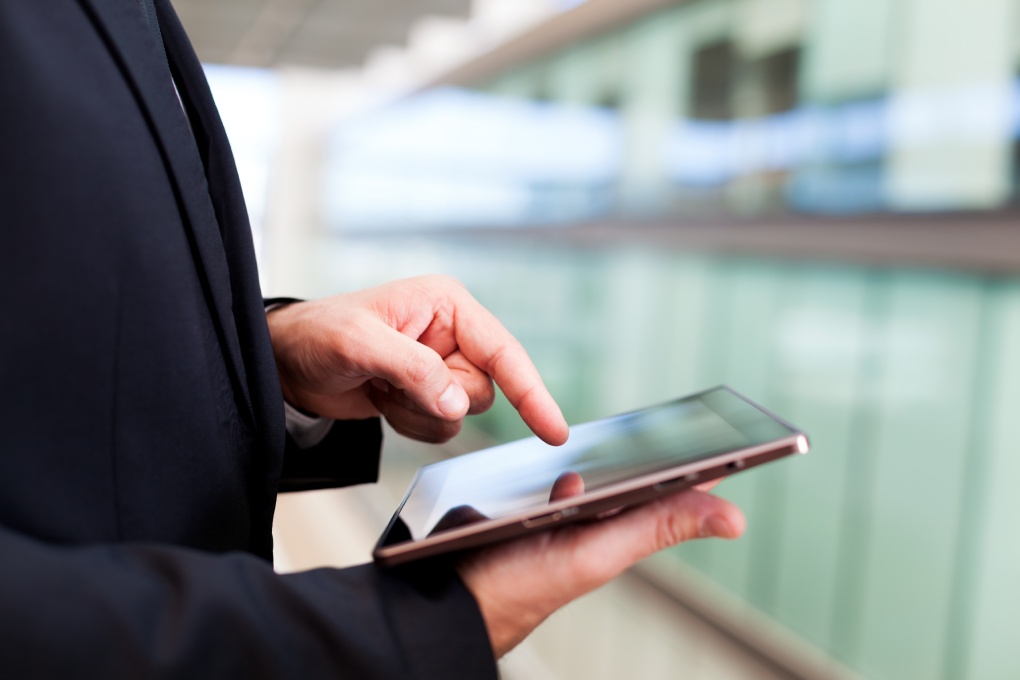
(893, 545)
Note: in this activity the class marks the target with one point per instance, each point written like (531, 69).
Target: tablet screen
(515, 477)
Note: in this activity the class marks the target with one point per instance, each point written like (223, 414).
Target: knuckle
(420, 369)
(440, 282)
(522, 399)
(445, 311)
(497, 360)
(670, 531)
(448, 281)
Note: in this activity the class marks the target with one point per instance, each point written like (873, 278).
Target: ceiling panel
(322, 33)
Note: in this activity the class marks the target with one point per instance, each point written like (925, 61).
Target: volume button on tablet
(677, 483)
(543, 520)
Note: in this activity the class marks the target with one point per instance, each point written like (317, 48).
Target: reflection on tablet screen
(518, 476)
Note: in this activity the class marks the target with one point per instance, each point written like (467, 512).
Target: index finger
(490, 346)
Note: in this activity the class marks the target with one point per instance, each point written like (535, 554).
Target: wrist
(509, 616)
(278, 318)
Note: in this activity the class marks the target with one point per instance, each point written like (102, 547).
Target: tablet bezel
(640, 489)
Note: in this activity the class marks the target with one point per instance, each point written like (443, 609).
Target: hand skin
(520, 583)
(423, 354)
(420, 352)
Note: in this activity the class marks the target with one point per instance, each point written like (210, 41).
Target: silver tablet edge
(796, 443)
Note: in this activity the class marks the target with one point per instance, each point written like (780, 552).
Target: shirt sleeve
(306, 430)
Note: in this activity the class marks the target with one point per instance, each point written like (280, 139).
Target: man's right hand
(420, 352)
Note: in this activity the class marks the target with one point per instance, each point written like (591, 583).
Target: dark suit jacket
(142, 441)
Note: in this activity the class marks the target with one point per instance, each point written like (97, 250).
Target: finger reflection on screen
(567, 485)
(462, 515)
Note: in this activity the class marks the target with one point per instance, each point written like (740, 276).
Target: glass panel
(992, 613)
(856, 546)
(924, 390)
(711, 108)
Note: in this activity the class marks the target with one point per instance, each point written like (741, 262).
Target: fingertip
(561, 428)
(555, 434)
(550, 425)
(728, 525)
(738, 522)
(454, 402)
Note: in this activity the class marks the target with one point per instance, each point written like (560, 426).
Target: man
(142, 418)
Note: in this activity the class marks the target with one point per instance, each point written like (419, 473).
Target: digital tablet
(526, 486)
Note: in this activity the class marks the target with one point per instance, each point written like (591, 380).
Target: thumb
(415, 369)
(681, 517)
(612, 545)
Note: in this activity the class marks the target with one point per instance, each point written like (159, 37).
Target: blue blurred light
(1016, 109)
(461, 132)
(564, 5)
(705, 153)
(457, 157)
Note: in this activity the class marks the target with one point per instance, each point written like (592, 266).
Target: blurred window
(714, 76)
(776, 77)
(688, 113)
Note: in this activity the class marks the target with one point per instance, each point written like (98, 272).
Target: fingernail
(716, 525)
(453, 402)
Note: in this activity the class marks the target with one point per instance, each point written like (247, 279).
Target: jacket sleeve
(349, 453)
(151, 611)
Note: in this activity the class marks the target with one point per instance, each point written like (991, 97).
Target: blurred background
(814, 201)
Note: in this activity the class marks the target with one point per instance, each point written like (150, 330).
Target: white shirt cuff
(306, 430)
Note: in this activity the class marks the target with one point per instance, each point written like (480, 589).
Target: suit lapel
(248, 310)
(123, 26)
(228, 202)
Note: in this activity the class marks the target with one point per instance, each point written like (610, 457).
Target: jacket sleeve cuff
(433, 620)
(349, 454)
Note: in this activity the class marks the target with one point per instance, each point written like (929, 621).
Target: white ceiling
(322, 33)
